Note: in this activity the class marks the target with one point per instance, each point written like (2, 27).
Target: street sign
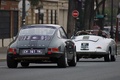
(27, 5)
(75, 13)
(99, 16)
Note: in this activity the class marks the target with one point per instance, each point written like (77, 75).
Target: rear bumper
(47, 57)
(91, 54)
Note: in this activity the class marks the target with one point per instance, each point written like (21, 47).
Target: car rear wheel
(113, 58)
(73, 61)
(24, 64)
(62, 61)
(107, 57)
(11, 63)
(78, 58)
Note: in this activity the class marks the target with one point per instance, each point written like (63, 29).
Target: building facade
(55, 12)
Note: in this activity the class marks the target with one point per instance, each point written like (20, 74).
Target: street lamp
(36, 16)
(41, 13)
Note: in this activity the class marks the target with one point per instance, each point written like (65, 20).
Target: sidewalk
(2, 56)
(3, 49)
(3, 52)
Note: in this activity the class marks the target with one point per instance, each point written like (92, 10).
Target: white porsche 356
(90, 45)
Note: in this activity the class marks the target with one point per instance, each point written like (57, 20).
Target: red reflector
(49, 52)
(55, 49)
(12, 50)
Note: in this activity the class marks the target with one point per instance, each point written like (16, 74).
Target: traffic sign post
(75, 13)
(23, 6)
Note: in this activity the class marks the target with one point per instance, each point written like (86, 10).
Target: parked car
(108, 30)
(90, 45)
(41, 43)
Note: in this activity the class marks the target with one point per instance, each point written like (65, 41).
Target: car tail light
(55, 49)
(50, 50)
(12, 50)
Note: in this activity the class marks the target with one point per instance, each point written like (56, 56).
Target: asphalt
(3, 51)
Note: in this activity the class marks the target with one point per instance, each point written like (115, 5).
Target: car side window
(62, 33)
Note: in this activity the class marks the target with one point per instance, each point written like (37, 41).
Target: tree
(88, 17)
(71, 20)
(88, 14)
(34, 2)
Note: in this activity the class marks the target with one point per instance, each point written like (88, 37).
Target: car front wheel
(113, 58)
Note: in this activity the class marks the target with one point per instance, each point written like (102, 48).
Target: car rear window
(38, 30)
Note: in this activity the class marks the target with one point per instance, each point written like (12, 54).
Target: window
(62, 33)
(38, 31)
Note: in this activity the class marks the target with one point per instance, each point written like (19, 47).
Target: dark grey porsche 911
(41, 43)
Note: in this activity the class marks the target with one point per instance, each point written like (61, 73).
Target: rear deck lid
(87, 38)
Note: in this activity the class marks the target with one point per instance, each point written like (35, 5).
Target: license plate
(32, 51)
(84, 46)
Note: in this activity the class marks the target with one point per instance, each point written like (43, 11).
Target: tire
(78, 58)
(107, 57)
(62, 61)
(73, 62)
(24, 64)
(113, 58)
(11, 63)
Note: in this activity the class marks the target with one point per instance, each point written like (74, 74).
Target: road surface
(86, 69)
